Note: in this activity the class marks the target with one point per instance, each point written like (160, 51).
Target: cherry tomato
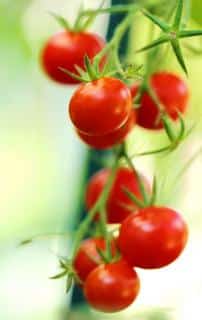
(112, 287)
(153, 237)
(119, 205)
(88, 258)
(67, 49)
(101, 106)
(109, 140)
(173, 93)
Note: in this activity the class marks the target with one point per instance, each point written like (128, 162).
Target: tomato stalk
(99, 205)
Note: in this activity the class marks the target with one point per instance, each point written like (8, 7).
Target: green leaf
(62, 21)
(179, 55)
(190, 33)
(156, 20)
(157, 42)
(178, 16)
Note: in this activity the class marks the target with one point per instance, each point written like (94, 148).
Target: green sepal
(190, 33)
(155, 43)
(154, 192)
(178, 15)
(61, 20)
(168, 128)
(73, 75)
(69, 283)
(90, 69)
(133, 198)
(25, 242)
(156, 20)
(59, 275)
(179, 55)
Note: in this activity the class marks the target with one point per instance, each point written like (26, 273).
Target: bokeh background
(43, 170)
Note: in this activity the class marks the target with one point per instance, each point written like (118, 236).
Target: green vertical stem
(99, 205)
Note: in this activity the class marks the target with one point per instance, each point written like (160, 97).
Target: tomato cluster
(149, 238)
(104, 110)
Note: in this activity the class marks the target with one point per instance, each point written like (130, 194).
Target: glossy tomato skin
(112, 287)
(101, 106)
(67, 49)
(111, 139)
(173, 93)
(153, 237)
(118, 203)
(88, 258)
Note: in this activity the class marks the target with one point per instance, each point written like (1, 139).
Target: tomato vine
(105, 107)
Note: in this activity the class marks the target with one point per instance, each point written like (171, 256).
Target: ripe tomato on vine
(67, 50)
(118, 204)
(172, 93)
(153, 237)
(112, 287)
(100, 107)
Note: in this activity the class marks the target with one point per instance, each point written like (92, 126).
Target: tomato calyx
(171, 33)
(83, 20)
(68, 271)
(91, 71)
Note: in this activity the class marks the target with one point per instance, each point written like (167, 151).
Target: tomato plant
(101, 106)
(171, 91)
(67, 50)
(114, 95)
(153, 237)
(112, 287)
(118, 204)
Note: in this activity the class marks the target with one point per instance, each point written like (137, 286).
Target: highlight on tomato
(118, 205)
(153, 237)
(173, 93)
(112, 287)
(67, 49)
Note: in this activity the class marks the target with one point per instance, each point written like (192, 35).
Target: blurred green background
(43, 167)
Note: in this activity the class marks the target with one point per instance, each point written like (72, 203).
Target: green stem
(139, 180)
(115, 41)
(113, 9)
(45, 236)
(99, 205)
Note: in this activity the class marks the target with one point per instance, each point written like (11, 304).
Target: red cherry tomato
(101, 106)
(119, 205)
(109, 140)
(112, 287)
(67, 49)
(152, 238)
(173, 93)
(88, 258)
